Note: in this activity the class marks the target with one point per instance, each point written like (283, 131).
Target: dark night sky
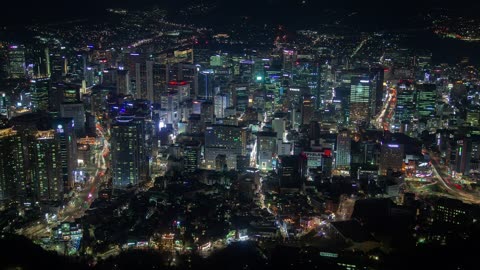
(24, 12)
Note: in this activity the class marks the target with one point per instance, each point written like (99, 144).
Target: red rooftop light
(173, 83)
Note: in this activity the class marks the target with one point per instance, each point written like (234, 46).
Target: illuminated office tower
(207, 112)
(77, 112)
(220, 103)
(40, 90)
(343, 154)
(426, 98)
(216, 60)
(246, 70)
(205, 84)
(58, 63)
(473, 117)
(16, 61)
(308, 109)
(65, 135)
(4, 60)
(405, 109)
(70, 93)
(47, 178)
(289, 59)
(127, 148)
(191, 156)
(463, 155)
(266, 149)
(123, 82)
(144, 80)
(169, 103)
(12, 173)
(239, 94)
(361, 90)
(4, 104)
(159, 80)
(224, 140)
(391, 158)
(201, 52)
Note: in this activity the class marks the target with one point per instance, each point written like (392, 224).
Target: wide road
(439, 171)
(80, 202)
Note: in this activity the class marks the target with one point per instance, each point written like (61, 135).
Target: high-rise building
(266, 150)
(207, 112)
(308, 109)
(391, 158)
(426, 98)
(47, 178)
(128, 152)
(405, 109)
(159, 80)
(463, 155)
(288, 172)
(12, 173)
(221, 103)
(361, 90)
(205, 84)
(239, 94)
(16, 61)
(289, 59)
(343, 153)
(278, 126)
(65, 135)
(77, 112)
(191, 156)
(123, 82)
(224, 140)
(40, 90)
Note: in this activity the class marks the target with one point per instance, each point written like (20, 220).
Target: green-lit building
(40, 90)
(425, 100)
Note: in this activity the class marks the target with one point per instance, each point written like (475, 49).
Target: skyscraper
(308, 109)
(47, 178)
(266, 149)
(40, 90)
(405, 109)
(123, 82)
(463, 155)
(224, 140)
(65, 135)
(16, 61)
(128, 152)
(343, 153)
(191, 156)
(391, 158)
(221, 103)
(288, 172)
(12, 178)
(426, 98)
(361, 90)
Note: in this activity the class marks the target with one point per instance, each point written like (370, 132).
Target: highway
(445, 181)
(387, 110)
